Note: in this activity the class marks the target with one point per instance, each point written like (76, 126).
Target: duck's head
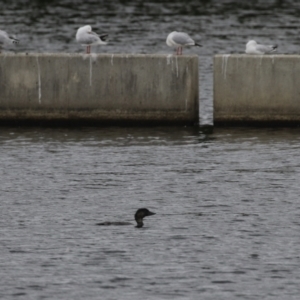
(140, 214)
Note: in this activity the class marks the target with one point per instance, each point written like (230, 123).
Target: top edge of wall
(127, 55)
(271, 55)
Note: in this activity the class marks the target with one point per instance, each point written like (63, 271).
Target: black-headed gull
(6, 40)
(179, 40)
(86, 37)
(253, 48)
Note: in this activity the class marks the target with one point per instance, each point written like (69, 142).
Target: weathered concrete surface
(256, 89)
(99, 88)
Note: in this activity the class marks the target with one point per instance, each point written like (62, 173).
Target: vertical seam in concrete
(224, 64)
(39, 80)
(112, 60)
(186, 103)
(168, 58)
(260, 61)
(272, 56)
(91, 70)
(187, 73)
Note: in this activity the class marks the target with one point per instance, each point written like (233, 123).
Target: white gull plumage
(86, 37)
(179, 40)
(6, 40)
(253, 48)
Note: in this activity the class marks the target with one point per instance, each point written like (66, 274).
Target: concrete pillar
(256, 89)
(100, 88)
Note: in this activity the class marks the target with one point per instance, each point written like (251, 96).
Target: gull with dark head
(6, 40)
(253, 48)
(86, 37)
(179, 40)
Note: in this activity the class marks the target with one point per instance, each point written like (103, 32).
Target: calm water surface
(227, 222)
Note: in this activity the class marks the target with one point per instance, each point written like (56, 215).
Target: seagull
(253, 48)
(86, 37)
(179, 40)
(6, 40)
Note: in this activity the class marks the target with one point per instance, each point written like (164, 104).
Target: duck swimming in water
(140, 214)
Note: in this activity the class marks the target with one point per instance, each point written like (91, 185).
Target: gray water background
(227, 222)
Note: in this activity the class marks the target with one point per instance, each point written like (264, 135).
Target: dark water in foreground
(227, 222)
(227, 202)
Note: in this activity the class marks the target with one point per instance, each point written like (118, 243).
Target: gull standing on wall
(253, 48)
(86, 37)
(6, 40)
(179, 40)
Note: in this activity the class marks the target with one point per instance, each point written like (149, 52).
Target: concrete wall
(253, 89)
(99, 88)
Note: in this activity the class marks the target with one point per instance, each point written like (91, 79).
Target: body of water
(226, 201)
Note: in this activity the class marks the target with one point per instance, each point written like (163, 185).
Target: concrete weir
(99, 88)
(256, 89)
